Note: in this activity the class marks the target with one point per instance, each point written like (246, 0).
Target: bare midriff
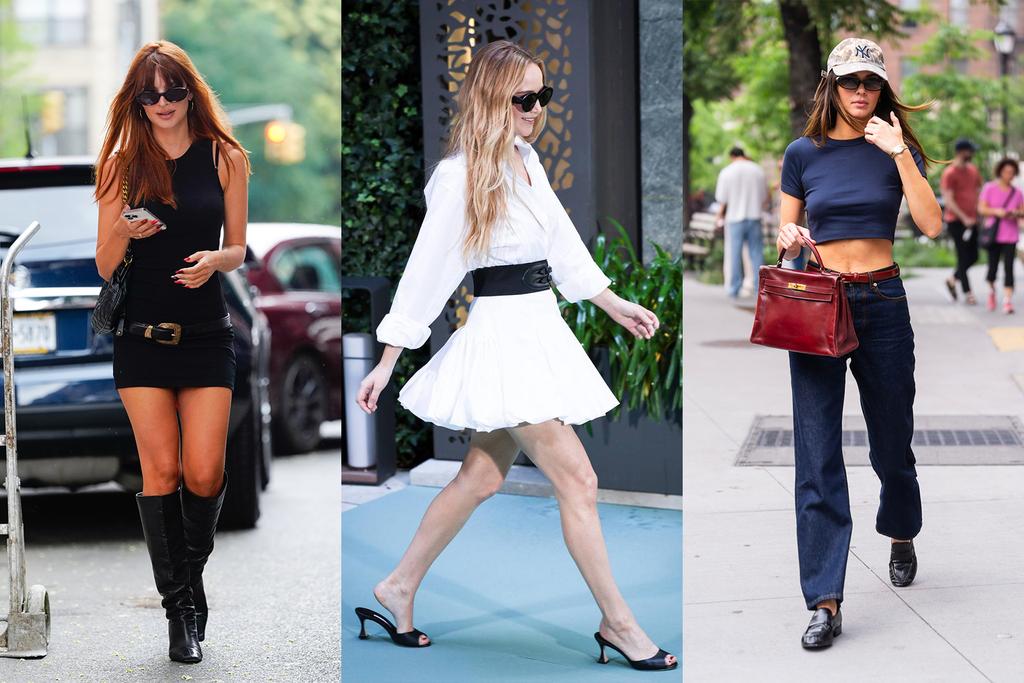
(856, 255)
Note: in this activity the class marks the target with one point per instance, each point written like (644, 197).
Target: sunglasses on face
(527, 101)
(872, 83)
(148, 98)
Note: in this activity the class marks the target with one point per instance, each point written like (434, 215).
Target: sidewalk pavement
(962, 619)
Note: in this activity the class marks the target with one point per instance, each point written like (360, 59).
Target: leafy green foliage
(962, 101)
(644, 372)
(382, 168)
(264, 64)
(15, 86)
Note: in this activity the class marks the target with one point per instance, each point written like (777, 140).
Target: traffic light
(284, 142)
(51, 115)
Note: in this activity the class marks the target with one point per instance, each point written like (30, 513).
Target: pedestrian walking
(742, 196)
(514, 374)
(168, 150)
(857, 160)
(960, 185)
(1002, 203)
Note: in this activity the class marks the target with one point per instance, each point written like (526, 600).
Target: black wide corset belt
(518, 278)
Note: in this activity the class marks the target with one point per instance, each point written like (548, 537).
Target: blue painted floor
(505, 602)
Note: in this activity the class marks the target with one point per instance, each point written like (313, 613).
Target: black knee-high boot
(200, 516)
(165, 539)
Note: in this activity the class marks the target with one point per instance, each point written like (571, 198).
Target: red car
(296, 269)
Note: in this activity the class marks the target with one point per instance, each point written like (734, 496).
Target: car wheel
(303, 406)
(242, 498)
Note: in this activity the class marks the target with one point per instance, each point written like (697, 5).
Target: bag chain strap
(124, 197)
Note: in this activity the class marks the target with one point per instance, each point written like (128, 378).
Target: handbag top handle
(817, 256)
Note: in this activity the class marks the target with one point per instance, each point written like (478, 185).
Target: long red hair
(128, 143)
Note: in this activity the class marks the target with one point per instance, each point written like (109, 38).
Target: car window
(65, 213)
(307, 268)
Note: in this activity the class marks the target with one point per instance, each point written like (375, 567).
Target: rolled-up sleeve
(435, 267)
(573, 270)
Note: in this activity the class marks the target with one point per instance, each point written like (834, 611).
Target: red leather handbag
(803, 310)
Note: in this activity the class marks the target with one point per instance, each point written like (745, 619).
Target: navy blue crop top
(850, 188)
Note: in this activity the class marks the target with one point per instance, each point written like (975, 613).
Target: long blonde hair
(483, 129)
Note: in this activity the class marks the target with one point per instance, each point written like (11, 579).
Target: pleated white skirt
(514, 361)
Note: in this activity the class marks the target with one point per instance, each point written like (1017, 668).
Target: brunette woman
(857, 160)
(514, 373)
(1002, 203)
(168, 150)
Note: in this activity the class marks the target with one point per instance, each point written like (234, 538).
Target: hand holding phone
(137, 223)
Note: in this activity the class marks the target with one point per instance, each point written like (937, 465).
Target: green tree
(14, 88)
(264, 63)
(712, 32)
(962, 103)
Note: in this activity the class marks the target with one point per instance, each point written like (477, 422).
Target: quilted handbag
(110, 303)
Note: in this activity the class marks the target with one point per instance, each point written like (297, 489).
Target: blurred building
(82, 49)
(964, 13)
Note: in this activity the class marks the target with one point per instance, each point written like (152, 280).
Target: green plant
(382, 169)
(644, 372)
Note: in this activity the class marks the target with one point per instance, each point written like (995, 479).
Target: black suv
(72, 428)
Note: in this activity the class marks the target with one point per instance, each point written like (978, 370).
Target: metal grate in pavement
(938, 440)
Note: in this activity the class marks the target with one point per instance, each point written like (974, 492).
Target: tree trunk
(804, 61)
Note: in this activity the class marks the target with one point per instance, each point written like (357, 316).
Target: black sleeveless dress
(206, 360)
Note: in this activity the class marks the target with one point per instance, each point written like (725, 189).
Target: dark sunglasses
(872, 83)
(527, 101)
(148, 98)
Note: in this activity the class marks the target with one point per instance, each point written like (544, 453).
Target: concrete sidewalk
(962, 620)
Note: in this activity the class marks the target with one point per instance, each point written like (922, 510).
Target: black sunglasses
(527, 101)
(872, 83)
(148, 98)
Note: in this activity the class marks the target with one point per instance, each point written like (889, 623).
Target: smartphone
(139, 215)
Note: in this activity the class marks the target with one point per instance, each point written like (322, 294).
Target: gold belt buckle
(175, 329)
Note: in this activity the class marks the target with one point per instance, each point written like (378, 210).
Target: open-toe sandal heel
(407, 639)
(653, 663)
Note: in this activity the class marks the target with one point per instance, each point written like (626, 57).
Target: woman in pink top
(1004, 203)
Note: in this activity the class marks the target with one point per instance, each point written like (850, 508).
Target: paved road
(962, 620)
(274, 591)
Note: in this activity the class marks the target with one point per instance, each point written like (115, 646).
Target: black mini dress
(206, 360)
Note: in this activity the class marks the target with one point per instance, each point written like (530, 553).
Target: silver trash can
(357, 350)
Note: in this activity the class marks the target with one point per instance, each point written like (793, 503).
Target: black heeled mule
(407, 639)
(655, 662)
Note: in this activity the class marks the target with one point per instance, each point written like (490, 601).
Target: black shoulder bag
(987, 236)
(111, 301)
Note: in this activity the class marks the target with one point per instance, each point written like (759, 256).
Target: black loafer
(902, 564)
(822, 629)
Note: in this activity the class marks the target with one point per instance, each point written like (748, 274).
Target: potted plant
(637, 446)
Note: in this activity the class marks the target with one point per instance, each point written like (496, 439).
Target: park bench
(699, 239)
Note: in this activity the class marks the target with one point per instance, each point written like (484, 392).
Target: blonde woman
(514, 373)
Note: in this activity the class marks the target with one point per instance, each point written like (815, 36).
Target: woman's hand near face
(789, 241)
(885, 136)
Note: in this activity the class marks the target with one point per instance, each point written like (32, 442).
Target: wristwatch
(897, 150)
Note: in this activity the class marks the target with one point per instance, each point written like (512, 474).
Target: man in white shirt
(742, 194)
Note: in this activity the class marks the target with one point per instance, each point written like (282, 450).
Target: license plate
(35, 333)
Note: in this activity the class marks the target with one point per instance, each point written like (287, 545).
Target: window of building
(53, 22)
(907, 68)
(958, 12)
(70, 135)
(910, 6)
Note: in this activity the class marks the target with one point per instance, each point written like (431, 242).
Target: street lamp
(1004, 41)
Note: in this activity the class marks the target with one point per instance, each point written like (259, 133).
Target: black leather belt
(171, 333)
(518, 278)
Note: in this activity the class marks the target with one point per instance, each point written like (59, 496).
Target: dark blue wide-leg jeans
(883, 367)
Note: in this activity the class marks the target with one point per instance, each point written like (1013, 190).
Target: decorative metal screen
(556, 31)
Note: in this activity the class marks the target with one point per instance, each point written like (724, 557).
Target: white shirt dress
(515, 360)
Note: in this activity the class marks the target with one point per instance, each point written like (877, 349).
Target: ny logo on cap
(862, 51)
